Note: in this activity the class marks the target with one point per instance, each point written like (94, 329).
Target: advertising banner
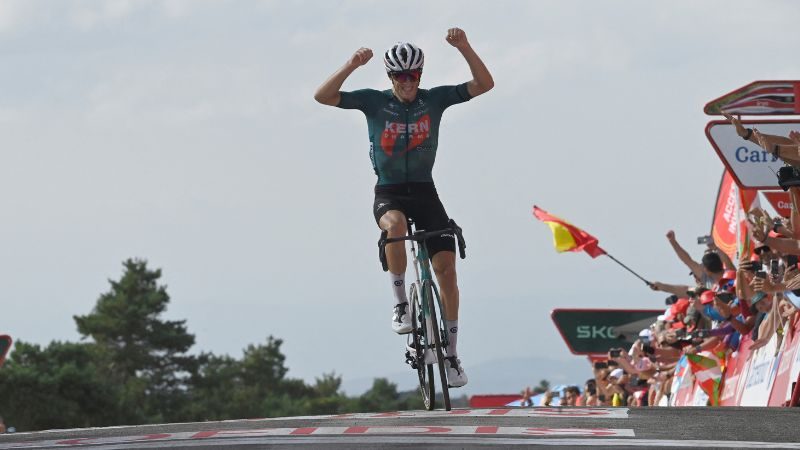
(781, 202)
(766, 97)
(750, 165)
(595, 331)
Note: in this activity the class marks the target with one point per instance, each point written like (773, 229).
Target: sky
(186, 133)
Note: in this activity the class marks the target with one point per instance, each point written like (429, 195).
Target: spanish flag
(568, 237)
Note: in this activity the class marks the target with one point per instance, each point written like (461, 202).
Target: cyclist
(403, 124)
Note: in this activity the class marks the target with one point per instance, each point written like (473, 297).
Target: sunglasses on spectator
(413, 75)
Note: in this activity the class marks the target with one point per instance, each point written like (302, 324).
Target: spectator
(571, 395)
(590, 393)
(2, 426)
(526, 397)
(707, 274)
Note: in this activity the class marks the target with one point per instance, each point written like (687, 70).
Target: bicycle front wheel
(419, 343)
(427, 291)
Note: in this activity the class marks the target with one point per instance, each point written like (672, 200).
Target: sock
(399, 287)
(452, 337)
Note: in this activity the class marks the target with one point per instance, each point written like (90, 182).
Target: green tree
(543, 387)
(61, 386)
(147, 355)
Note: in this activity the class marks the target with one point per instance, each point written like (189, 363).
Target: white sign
(760, 373)
(751, 165)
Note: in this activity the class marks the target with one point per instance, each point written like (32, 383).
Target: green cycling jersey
(404, 136)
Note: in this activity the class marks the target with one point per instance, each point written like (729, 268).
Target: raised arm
(683, 255)
(783, 147)
(677, 289)
(481, 78)
(760, 229)
(328, 92)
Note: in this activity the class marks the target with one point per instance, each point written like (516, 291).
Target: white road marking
(222, 435)
(439, 439)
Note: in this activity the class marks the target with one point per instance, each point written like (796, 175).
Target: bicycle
(428, 332)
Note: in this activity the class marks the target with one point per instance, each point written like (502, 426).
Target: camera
(671, 299)
(761, 274)
(615, 353)
(774, 267)
(788, 177)
(704, 240)
(751, 266)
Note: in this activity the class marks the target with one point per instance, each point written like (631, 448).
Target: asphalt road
(463, 428)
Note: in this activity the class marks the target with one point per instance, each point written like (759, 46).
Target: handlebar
(419, 236)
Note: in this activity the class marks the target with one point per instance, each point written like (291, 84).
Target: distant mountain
(498, 376)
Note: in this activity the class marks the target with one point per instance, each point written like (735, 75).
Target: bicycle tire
(424, 371)
(427, 289)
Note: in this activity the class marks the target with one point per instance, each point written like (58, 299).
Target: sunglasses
(402, 77)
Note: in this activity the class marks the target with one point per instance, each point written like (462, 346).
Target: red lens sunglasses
(413, 75)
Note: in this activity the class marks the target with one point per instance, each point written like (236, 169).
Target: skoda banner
(751, 166)
(595, 331)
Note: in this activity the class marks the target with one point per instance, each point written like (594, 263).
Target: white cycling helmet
(403, 56)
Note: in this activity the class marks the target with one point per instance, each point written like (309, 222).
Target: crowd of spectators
(721, 304)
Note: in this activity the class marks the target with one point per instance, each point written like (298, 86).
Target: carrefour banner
(750, 165)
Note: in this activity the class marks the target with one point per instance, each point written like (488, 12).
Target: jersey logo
(418, 131)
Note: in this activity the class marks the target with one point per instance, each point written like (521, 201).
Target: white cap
(616, 373)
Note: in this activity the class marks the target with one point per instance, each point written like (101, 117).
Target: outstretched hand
(457, 38)
(360, 57)
(740, 129)
(795, 136)
(760, 224)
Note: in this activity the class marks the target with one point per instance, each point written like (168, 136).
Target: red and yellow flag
(568, 237)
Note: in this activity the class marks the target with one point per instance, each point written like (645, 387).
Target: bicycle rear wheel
(418, 345)
(427, 291)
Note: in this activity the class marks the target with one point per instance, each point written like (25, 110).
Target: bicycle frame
(422, 270)
(433, 335)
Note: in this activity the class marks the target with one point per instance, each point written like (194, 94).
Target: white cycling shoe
(401, 319)
(456, 377)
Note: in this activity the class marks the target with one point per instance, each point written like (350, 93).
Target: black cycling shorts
(420, 203)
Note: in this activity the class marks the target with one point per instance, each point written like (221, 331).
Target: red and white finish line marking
(330, 431)
(585, 413)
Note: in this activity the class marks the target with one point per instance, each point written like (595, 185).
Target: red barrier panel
(487, 401)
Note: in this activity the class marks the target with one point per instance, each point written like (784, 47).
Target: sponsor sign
(751, 166)
(681, 383)
(593, 331)
(5, 346)
(729, 216)
(775, 97)
(760, 373)
(781, 201)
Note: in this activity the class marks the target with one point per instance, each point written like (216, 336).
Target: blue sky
(185, 133)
